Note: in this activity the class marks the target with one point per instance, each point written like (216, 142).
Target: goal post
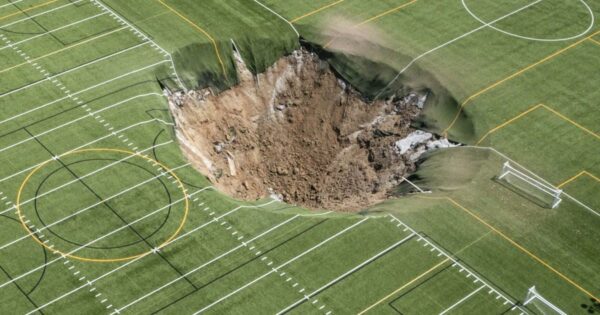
(541, 304)
(547, 194)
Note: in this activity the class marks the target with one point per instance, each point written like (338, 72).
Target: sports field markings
(512, 76)
(53, 77)
(10, 3)
(39, 14)
(589, 28)
(276, 269)
(201, 30)
(138, 154)
(485, 25)
(327, 6)
(117, 134)
(462, 300)
(41, 5)
(592, 176)
(515, 244)
(331, 283)
(56, 29)
(373, 18)
(280, 17)
(87, 208)
(203, 225)
(595, 41)
(64, 256)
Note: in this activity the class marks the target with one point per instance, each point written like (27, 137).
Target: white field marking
(139, 33)
(454, 40)
(588, 208)
(87, 175)
(39, 14)
(279, 16)
(60, 74)
(455, 262)
(82, 91)
(276, 269)
(29, 234)
(346, 274)
(88, 115)
(64, 256)
(11, 3)
(315, 214)
(415, 186)
(55, 30)
(462, 300)
(591, 13)
(113, 133)
(167, 244)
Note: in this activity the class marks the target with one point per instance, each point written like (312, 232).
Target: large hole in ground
(300, 132)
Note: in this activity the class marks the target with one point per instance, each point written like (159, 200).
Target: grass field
(101, 213)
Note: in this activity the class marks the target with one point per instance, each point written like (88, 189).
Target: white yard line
(454, 40)
(279, 16)
(110, 134)
(462, 300)
(52, 77)
(346, 274)
(99, 238)
(455, 263)
(82, 210)
(165, 245)
(39, 14)
(86, 116)
(82, 91)
(56, 29)
(275, 269)
(11, 3)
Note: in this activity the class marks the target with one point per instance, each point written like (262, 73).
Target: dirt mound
(300, 132)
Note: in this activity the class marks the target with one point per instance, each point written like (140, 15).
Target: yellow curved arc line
(194, 25)
(102, 260)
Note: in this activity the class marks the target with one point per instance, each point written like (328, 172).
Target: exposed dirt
(298, 131)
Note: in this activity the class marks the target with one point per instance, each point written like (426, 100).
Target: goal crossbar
(533, 295)
(554, 192)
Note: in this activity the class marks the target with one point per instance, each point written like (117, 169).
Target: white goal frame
(532, 295)
(554, 192)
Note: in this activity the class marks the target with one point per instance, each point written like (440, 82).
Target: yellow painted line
(595, 41)
(201, 30)
(28, 9)
(512, 76)
(577, 176)
(378, 16)
(404, 286)
(517, 245)
(316, 11)
(565, 118)
(62, 49)
(103, 260)
(506, 123)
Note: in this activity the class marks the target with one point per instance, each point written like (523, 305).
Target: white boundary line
(462, 300)
(10, 3)
(81, 91)
(344, 275)
(280, 266)
(455, 263)
(40, 14)
(87, 175)
(91, 282)
(88, 115)
(98, 239)
(54, 30)
(279, 16)
(60, 74)
(82, 210)
(113, 133)
(452, 41)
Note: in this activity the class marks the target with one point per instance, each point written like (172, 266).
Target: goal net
(544, 193)
(537, 301)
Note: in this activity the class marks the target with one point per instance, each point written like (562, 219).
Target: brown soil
(299, 131)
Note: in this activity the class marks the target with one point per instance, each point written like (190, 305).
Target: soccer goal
(547, 194)
(536, 300)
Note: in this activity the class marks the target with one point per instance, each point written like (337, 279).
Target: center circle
(590, 26)
(40, 215)
(35, 233)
